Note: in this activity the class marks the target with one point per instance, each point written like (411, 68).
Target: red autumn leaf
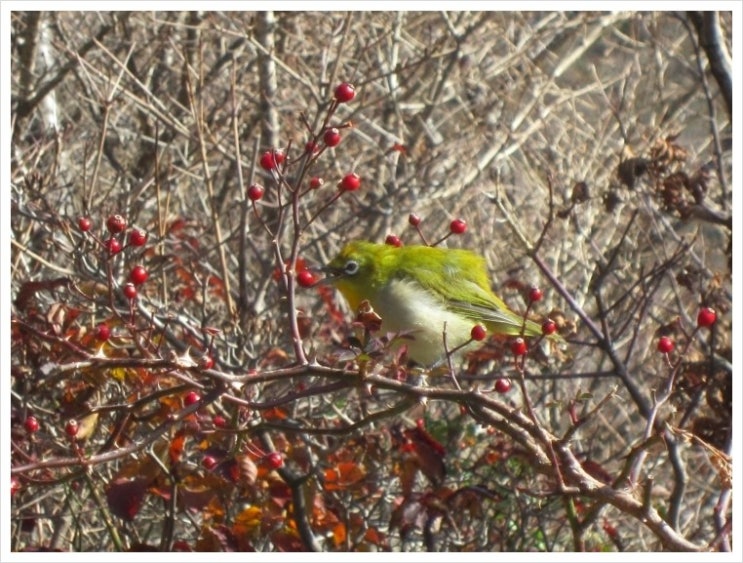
(280, 493)
(375, 537)
(216, 285)
(287, 540)
(423, 452)
(125, 496)
(420, 434)
(181, 545)
(143, 547)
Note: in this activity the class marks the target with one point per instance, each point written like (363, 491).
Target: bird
(422, 290)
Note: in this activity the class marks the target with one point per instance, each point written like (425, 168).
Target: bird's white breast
(406, 307)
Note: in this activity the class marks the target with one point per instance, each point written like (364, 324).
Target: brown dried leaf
(630, 170)
(580, 193)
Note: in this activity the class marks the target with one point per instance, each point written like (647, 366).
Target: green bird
(419, 289)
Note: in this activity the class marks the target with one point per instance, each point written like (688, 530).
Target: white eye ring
(351, 268)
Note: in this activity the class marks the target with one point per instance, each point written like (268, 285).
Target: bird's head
(360, 269)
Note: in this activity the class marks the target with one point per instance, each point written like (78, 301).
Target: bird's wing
(481, 305)
(489, 309)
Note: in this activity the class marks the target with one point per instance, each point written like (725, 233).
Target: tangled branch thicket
(211, 401)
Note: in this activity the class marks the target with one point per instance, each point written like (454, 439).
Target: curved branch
(707, 25)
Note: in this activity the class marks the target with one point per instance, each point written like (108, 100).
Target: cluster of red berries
(349, 183)
(115, 224)
(271, 160)
(456, 227)
(706, 317)
(31, 424)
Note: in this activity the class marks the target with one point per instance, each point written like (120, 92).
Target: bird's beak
(331, 274)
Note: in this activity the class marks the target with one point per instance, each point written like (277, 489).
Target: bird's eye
(351, 268)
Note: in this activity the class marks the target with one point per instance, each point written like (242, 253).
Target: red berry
(129, 290)
(332, 137)
(518, 347)
(207, 362)
(478, 333)
(112, 245)
(137, 238)
(535, 294)
(350, 182)
(345, 92)
(316, 182)
(458, 226)
(255, 192)
(311, 147)
(393, 240)
(209, 462)
(706, 317)
(84, 224)
(71, 428)
(305, 278)
(115, 224)
(414, 220)
(191, 398)
(31, 424)
(139, 275)
(272, 159)
(502, 385)
(549, 327)
(665, 344)
(15, 485)
(274, 460)
(219, 421)
(102, 332)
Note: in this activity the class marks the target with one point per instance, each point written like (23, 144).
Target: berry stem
(337, 195)
(423, 238)
(442, 239)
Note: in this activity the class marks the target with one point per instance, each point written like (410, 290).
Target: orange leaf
(248, 521)
(274, 414)
(175, 449)
(339, 534)
(343, 475)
